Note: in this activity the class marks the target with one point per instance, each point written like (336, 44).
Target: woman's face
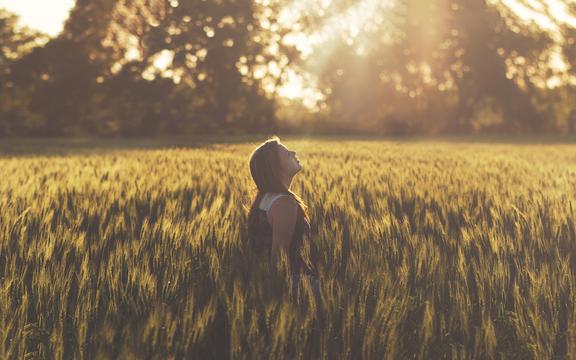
(288, 161)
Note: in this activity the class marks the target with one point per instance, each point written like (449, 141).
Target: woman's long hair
(265, 171)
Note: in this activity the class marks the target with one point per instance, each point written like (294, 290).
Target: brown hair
(265, 171)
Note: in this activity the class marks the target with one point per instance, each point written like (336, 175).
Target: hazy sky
(45, 15)
(49, 15)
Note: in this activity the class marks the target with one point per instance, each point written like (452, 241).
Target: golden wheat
(427, 250)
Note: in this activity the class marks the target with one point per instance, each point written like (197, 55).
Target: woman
(278, 220)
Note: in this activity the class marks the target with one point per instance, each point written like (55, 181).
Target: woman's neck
(287, 181)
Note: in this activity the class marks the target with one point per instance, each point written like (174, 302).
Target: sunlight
(163, 60)
(161, 64)
(298, 87)
(348, 24)
(45, 16)
(549, 16)
(537, 13)
(317, 47)
(558, 10)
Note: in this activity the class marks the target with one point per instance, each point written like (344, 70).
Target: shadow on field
(71, 147)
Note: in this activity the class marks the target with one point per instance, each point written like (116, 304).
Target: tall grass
(427, 250)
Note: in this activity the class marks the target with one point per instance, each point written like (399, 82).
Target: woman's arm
(282, 215)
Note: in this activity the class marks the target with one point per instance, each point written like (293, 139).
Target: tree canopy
(151, 67)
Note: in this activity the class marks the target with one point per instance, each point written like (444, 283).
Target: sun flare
(45, 16)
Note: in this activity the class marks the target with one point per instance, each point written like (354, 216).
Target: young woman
(278, 220)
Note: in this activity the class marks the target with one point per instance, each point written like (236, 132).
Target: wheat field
(427, 250)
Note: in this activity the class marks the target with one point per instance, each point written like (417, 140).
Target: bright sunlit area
(360, 25)
(45, 16)
(287, 179)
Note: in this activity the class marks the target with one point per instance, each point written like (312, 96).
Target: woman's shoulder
(285, 208)
(276, 194)
(268, 199)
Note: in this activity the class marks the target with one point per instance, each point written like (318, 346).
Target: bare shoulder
(285, 208)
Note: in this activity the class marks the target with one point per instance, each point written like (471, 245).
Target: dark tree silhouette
(434, 63)
(15, 115)
(152, 67)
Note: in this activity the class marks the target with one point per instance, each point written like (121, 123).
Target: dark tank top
(263, 241)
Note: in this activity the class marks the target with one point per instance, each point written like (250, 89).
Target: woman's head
(272, 166)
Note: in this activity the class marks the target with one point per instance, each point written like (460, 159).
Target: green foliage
(427, 250)
(154, 67)
(16, 115)
(433, 66)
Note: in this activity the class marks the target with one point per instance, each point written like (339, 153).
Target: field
(428, 249)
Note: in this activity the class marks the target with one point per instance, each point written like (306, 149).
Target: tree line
(151, 67)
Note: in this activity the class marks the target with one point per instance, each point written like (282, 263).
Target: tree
(225, 51)
(63, 76)
(422, 61)
(17, 42)
(486, 41)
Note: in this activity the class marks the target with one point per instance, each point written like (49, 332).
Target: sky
(47, 16)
